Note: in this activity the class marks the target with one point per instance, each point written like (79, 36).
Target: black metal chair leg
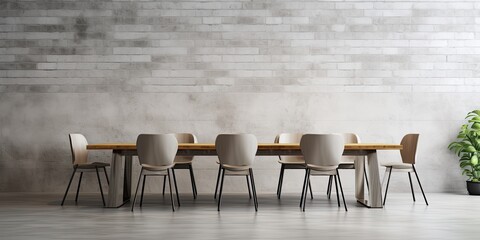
(419, 184)
(411, 186)
(305, 195)
(221, 189)
(171, 192)
(310, 187)
(100, 185)
(218, 180)
(68, 187)
(254, 190)
(106, 175)
(386, 189)
(78, 187)
(329, 186)
(341, 190)
(164, 183)
(248, 185)
(336, 190)
(143, 190)
(192, 179)
(136, 191)
(280, 181)
(175, 184)
(303, 187)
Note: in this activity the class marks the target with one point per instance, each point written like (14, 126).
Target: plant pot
(473, 188)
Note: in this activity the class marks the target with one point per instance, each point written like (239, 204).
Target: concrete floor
(40, 216)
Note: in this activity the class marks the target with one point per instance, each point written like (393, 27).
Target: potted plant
(467, 147)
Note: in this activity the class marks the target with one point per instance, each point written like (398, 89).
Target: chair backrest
(236, 149)
(409, 143)
(157, 149)
(350, 138)
(185, 138)
(78, 145)
(290, 138)
(322, 149)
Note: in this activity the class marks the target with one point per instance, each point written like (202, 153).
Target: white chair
(289, 162)
(78, 146)
(347, 162)
(408, 154)
(236, 153)
(156, 153)
(322, 153)
(183, 162)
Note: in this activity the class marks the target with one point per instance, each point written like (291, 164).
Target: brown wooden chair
(408, 154)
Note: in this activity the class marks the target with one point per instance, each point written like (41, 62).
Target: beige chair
(289, 162)
(408, 154)
(322, 154)
(347, 162)
(236, 153)
(183, 162)
(156, 153)
(78, 146)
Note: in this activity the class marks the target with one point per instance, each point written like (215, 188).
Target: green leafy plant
(468, 146)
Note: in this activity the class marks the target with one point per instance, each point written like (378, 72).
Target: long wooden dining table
(121, 166)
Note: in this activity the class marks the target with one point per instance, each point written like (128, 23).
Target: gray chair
(236, 153)
(156, 153)
(289, 162)
(347, 162)
(408, 154)
(78, 146)
(322, 154)
(184, 162)
(217, 184)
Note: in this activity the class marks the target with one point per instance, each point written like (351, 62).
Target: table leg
(375, 192)
(127, 180)
(115, 189)
(359, 180)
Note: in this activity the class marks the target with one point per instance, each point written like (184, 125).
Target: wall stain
(80, 27)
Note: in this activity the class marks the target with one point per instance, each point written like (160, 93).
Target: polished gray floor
(40, 216)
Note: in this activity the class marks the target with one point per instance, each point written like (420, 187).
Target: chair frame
(331, 173)
(249, 177)
(82, 169)
(408, 154)
(165, 172)
(347, 165)
(288, 166)
(187, 165)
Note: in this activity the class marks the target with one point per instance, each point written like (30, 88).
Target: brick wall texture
(237, 46)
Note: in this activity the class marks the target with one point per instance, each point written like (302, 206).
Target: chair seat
(290, 162)
(396, 165)
(323, 173)
(92, 165)
(235, 168)
(321, 168)
(156, 168)
(346, 165)
(155, 173)
(182, 161)
(237, 173)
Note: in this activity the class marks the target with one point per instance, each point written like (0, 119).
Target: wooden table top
(261, 146)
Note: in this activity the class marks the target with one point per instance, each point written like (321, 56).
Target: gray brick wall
(113, 69)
